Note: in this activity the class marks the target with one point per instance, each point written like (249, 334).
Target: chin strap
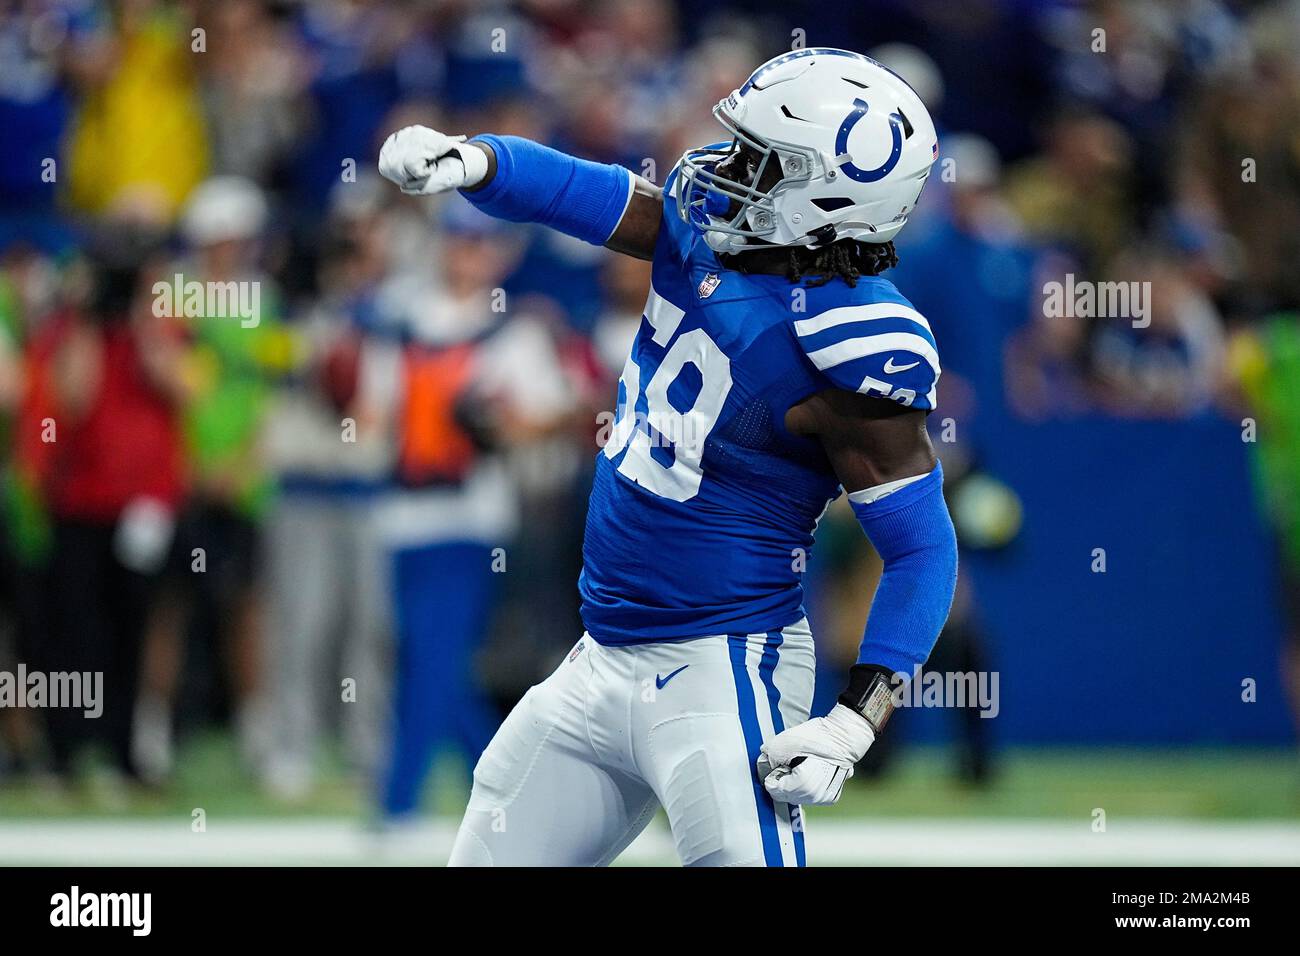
(822, 236)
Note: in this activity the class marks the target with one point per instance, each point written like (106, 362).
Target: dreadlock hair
(846, 259)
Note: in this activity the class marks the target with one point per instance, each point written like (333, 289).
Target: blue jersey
(704, 506)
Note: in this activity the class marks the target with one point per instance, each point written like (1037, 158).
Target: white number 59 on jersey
(678, 436)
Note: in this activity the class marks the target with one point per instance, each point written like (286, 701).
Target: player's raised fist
(808, 764)
(423, 161)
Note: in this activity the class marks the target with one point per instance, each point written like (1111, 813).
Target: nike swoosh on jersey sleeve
(884, 349)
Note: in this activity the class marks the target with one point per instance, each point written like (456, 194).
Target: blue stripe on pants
(747, 708)
(766, 670)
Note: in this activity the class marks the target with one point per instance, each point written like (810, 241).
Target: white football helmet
(853, 140)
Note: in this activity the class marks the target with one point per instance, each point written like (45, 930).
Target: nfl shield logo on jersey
(711, 282)
(573, 655)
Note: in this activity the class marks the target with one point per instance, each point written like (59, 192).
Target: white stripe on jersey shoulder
(858, 313)
(862, 346)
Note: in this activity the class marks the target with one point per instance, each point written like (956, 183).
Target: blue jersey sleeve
(882, 348)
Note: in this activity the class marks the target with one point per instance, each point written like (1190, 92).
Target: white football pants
(586, 757)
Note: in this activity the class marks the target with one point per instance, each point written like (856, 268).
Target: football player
(774, 368)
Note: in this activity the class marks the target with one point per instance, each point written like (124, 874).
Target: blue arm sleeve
(534, 183)
(914, 535)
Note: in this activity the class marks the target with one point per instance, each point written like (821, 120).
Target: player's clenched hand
(808, 764)
(422, 161)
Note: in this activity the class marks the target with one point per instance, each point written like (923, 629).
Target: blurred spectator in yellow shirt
(137, 136)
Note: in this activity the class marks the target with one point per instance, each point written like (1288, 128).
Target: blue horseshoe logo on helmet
(856, 173)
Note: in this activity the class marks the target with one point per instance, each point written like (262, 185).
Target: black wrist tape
(870, 693)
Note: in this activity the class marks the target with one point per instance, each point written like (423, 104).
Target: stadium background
(1120, 690)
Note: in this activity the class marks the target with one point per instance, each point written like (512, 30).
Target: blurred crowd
(353, 518)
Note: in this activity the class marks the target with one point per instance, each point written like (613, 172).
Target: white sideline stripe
(858, 313)
(342, 841)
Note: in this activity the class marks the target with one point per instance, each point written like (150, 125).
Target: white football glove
(808, 764)
(422, 161)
